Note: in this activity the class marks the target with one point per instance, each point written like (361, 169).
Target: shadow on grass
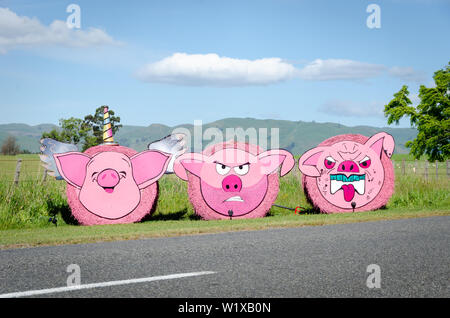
(175, 216)
(311, 210)
(63, 209)
(302, 211)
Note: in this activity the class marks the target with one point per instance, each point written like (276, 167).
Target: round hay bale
(148, 196)
(316, 190)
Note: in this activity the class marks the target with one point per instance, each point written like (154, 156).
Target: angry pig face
(231, 179)
(349, 172)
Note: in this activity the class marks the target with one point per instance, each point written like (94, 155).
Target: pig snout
(108, 178)
(348, 166)
(232, 183)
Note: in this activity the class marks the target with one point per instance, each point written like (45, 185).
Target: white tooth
(359, 186)
(235, 198)
(335, 185)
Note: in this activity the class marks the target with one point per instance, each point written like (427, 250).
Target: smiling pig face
(233, 179)
(114, 185)
(349, 173)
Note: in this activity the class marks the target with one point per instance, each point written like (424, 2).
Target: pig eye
(222, 169)
(93, 176)
(122, 174)
(329, 162)
(242, 169)
(365, 163)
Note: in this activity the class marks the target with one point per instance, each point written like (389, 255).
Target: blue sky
(173, 62)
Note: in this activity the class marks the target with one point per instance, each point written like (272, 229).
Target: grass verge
(16, 238)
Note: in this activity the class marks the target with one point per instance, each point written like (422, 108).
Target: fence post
(403, 166)
(17, 174)
(426, 170)
(44, 176)
(448, 174)
(416, 165)
(436, 164)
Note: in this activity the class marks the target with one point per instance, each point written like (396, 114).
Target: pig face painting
(111, 184)
(349, 173)
(233, 179)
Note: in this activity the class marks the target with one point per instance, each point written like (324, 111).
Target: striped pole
(107, 129)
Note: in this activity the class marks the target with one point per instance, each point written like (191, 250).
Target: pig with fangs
(349, 173)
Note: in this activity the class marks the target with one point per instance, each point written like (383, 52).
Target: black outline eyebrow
(89, 163)
(242, 164)
(221, 164)
(126, 161)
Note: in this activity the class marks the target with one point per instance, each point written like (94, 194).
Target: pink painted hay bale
(315, 197)
(146, 206)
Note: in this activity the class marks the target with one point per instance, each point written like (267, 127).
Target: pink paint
(108, 178)
(233, 176)
(111, 184)
(232, 183)
(349, 172)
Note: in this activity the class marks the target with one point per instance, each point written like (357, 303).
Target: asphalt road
(321, 261)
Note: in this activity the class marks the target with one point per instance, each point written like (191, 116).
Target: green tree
(87, 131)
(431, 117)
(73, 130)
(95, 122)
(10, 146)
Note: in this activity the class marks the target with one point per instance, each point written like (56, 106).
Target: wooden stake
(448, 172)
(436, 164)
(44, 176)
(17, 174)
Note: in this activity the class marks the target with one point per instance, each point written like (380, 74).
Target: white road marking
(104, 284)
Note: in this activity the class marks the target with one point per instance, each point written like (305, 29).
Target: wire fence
(429, 170)
(23, 170)
(31, 170)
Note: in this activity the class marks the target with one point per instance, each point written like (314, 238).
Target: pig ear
(191, 162)
(309, 161)
(381, 141)
(148, 166)
(272, 159)
(72, 167)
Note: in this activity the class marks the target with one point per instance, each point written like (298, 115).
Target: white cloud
(214, 70)
(339, 69)
(352, 109)
(22, 31)
(407, 74)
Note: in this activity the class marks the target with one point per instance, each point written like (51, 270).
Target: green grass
(52, 235)
(26, 208)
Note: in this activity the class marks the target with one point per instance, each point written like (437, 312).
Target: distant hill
(296, 136)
